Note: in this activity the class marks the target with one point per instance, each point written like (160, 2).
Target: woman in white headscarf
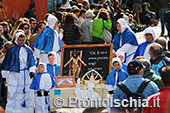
(20, 64)
(143, 48)
(48, 40)
(125, 40)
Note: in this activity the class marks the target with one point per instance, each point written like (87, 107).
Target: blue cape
(45, 39)
(128, 37)
(141, 49)
(122, 75)
(11, 61)
(35, 85)
(51, 71)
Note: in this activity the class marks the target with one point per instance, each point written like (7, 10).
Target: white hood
(51, 20)
(18, 34)
(123, 24)
(151, 31)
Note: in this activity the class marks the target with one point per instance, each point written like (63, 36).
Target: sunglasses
(26, 28)
(1, 30)
(34, 23)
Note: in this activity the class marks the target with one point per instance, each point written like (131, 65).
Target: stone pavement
(140, 39)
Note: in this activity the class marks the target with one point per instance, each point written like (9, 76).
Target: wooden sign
(76, 60)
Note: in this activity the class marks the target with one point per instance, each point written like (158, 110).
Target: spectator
(30, 12)
(147, 15)
(71, 34)
(143, 48)
(149, 74)
(125, 40)
(162, 41)
(40, 27)
(101, 20)
(162, 95)
(163, 6)
(82, 16)
(2, 38)
(15, 17)
(58, 6)
(157, 59)
(6, 30)
(86, 28)
(33, 24)
(133, 82)
(85, 4)
(76, 11)
(137, 8)
(26, 28)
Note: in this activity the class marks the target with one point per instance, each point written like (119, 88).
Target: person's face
(21, 41)
(26, 29)
(121, 58)
(41, 68)
(116, 66)
(6, 28)
(149, 37)
(1, 31)
(51, 59)
(33, 24)
(118, 27)
(42, 28)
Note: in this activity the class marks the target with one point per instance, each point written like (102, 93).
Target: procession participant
(20, 62)
(125, 40)
(48, 40)
(143, 48)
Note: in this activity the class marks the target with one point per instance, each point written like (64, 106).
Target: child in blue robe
(115, 76)
(42, 83)
(121, 56)
(52, 68)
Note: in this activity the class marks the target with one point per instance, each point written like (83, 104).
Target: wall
(21, 6)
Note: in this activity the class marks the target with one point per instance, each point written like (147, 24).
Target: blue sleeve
(110, 80)
(58, 71)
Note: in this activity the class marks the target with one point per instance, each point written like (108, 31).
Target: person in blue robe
(41, 84)
(115, 76)
(143, 48)
(48, 40)
(125, 40)
(19, 64)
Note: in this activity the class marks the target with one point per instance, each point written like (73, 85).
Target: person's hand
(32, 75)
(39, 93)
(113, 55)
(45, 93)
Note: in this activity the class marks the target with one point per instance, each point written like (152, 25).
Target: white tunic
(16, 86)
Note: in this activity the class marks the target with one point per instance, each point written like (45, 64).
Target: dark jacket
(158, 63)
(153, 77)
(71, 33)
(30, 13)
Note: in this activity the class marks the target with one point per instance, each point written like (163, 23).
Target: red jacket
(163, 95)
